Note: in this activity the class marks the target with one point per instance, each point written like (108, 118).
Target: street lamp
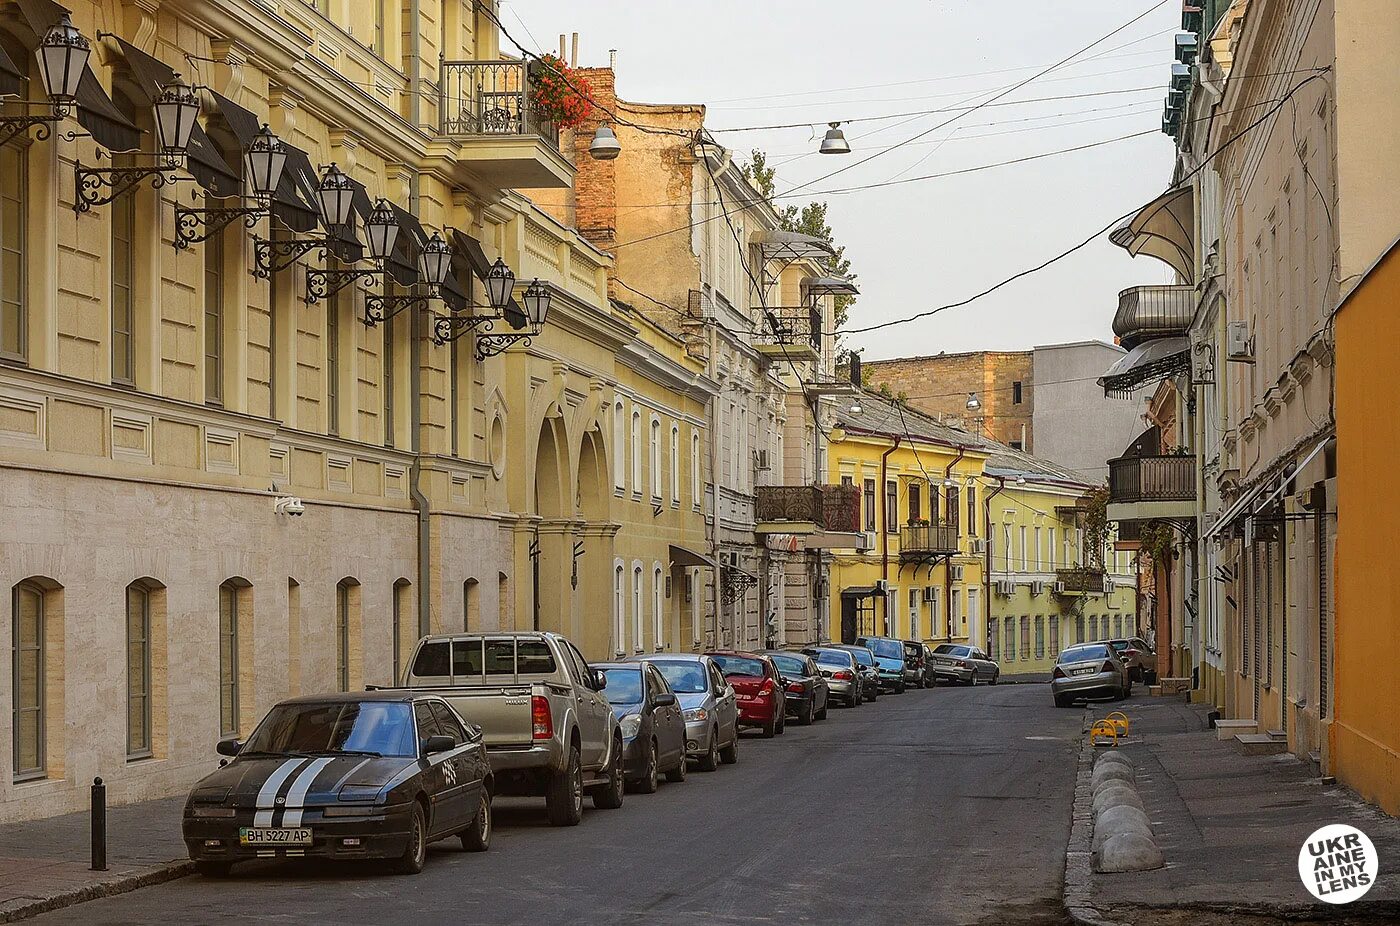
(834, 141)
(500, 283)
(382, 228)
(856, 407)
(435, 262)
(176, 110)
(605, 146)
(972, 402)
(335, 196)
(537, 299)
(263, 161)
(63, 56)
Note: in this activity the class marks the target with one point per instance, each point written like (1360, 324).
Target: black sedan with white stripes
(363, 775)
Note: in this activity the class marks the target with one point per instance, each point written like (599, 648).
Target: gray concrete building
(1075, 425)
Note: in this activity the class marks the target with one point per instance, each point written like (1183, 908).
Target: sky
(927, 242)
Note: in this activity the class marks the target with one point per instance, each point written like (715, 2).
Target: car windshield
(790, 665)
(948, 649)
(624, 685)
(684, 677)
(1118, 645)
(382, 727)
(739, 665)
(863, 656)
(828, 658)
(1084, 653)
(890, 649)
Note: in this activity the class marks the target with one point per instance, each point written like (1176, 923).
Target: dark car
(889, 661)
(807, 690)
(841, 671)
(915, 665)
(364, 775)
(653, 730)
(762, 701)
(869, 670)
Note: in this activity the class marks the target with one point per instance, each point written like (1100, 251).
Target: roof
(380, 694)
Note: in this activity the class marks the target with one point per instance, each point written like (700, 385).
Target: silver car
(842, 673)
(1089, 669)
(966, 665)
(708, 704)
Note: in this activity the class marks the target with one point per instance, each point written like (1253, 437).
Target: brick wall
(939, 386)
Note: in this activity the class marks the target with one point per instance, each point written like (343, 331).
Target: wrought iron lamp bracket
(736, 583)
(90, 182)
(451, 327)
(382, 308)
(12, 127)
(194, 225)
(489, 345)
(271, 257)
(323, 284)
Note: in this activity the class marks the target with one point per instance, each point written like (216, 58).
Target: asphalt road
(949, 806)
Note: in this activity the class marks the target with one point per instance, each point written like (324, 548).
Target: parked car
(807, 689)
(759, 688)
(1089, 669)
(841, 671)
(965, 665)
(889, 661)
(709, 705)
(1137, 654)
(915, 664)
(869, 670)
(363, 775)
(653, 728)
(548, 727)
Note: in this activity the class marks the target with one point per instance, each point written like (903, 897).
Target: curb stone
(1079, 880)
(108, 888)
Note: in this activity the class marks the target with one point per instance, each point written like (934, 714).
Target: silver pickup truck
(548, 728)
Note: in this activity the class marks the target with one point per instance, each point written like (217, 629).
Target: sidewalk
(44, 863)
(1230, 827)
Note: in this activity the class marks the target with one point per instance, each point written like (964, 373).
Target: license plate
(1089, 671)
(945, 662)
(274, 835)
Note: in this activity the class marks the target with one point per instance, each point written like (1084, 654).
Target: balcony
(1081, 580)
(925, 541)
(1151, 486)
(807, 510)
(485, 107)
(1146, 313)
(790, 333)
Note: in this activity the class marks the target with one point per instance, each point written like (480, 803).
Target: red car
(758, 688)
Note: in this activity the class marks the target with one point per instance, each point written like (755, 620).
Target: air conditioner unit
(867, 540)
(955, 573)
(1059, 588)
(979, 546)
(1239, 346)
(761, 460)
(1037, 588)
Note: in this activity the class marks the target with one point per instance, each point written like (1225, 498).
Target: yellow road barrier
(1104, 728)
(1119, 720)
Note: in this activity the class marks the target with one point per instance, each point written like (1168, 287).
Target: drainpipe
(885, 534)
(987, 566)
(420, 501)
(948, 573)
(714, 496)
(415, 65)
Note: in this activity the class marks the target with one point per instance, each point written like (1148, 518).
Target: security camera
(289, 505)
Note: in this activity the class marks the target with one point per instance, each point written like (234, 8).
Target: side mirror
(439, 743)
(228, 747)
(665, 699)
(600, 681)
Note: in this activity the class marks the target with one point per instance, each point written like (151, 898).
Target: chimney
(573, 52)
(595, 183)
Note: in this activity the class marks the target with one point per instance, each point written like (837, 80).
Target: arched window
(405, 627)
(138, 670)
(619, 609)
(619, 444)
(655, 474)
(231, 602)
(675, 465)
(30, 652)
(637, 607)
(696, 489)
(658, 608)
(636, 451)
(348, 649)
(14, 252)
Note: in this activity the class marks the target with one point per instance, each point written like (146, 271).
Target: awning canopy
(786, 245)
(1238, 508)
(1147, 363)
(682, 556)
(96, 111)
(207, 166)
(13, 81)
(465, 244)
(833, 540)
(860, 591)
(829, 286)
(294, 202)
(1164, 229)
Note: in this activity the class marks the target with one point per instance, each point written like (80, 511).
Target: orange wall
(1365, 733)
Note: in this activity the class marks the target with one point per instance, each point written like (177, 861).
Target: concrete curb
(1079, 876)
(120, 884)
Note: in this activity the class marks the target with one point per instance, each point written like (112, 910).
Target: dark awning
(408, 246)
(207, 166)
(1149, 362)
(13, 81)
(96, 111)
(860, 591)
(481, 266)
(680, 556)
(294, 202)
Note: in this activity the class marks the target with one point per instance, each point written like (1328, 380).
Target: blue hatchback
(889, 657)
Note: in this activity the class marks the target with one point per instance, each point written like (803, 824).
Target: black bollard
(99, 825)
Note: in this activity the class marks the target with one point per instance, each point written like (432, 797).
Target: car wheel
(805, 714)
(710, 760)
(781, 722)
(650, 779)
(610, 795)
(769, 728)
(564, 799)
(821, 714)
(874, 696)
(1150, 678)
(416, 853)
(996, 676)
(1062, 701)
(477, 837)
(213, 869)
(677, 775)
(730, 754)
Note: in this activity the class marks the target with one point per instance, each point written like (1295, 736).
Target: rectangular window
(14, 219)
(1039, 637)
(388, 379)
(123, 264)
(973, 602)
(1016, 392)
(915, 502)
(138, 672)
(1010, 639)
(342, 636)
(1025, 550)
(954, 612)
(1051, 547)
(333, 366)
(1039, 552)
(214, 319)
(891, 506)
(972, 511)
(228, 660)
(1025, 637)
(1054, 622)
(869, 499)
(1079, 629)
(952, 507)
(27, 632)
(380, 28)
(915, 600)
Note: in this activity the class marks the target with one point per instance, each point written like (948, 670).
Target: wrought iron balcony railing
(1149, 312)
(828, 507)
(1080, 580)
(1158, 478)
(792, 326)
(928, 539)
(490, 98)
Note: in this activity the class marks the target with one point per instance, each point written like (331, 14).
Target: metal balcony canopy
(206, 165)
(860, 591)
(829, 286)
(1149, 362)
(13, 81)
(790, 246)
(1164, 229)
(96, 111)
(682, 556)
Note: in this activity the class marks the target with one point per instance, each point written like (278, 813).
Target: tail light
(1130, 652)
(766, 688)
(1108, 666)
(540, 718)
(795, 687)
(1058, 673)
(843, 676)
(962, 664)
